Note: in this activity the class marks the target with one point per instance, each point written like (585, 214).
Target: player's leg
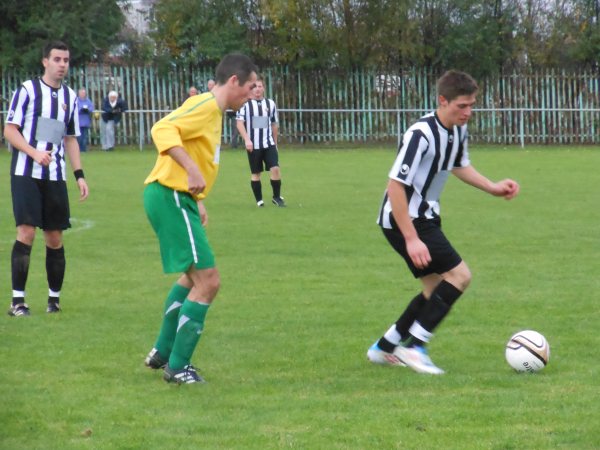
(256, 168)
(20, 257)
(55, 219)
(441, 292)
(191, 325)
(184, 248)
(444, 281)
(443, 295)
(159, 355)
(27, 210)
(55, 268)
(271, 160)
(382, 351)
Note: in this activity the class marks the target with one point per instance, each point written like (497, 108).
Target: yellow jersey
(196, 126)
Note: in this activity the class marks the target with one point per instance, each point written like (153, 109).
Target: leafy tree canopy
(90, 29)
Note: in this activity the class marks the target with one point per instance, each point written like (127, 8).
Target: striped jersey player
(258, 125)
(42, 126)
(432, 149)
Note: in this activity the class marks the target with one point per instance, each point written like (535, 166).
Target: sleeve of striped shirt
(462, 156)
(414, 144)
(241, 114)
(73, 125)
(274, 115)
(18, 107)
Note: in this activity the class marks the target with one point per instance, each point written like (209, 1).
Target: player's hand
(196, 182)
(84, 191)
(249, 145)
(43, 158)
(418, 252)
(203, 214)
(507, 188)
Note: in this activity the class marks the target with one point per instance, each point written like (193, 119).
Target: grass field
(305, 291)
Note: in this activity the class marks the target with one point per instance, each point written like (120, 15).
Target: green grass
(305, 291)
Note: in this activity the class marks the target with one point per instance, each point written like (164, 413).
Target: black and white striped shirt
(258, 116)
(428, 153)
(44, 115)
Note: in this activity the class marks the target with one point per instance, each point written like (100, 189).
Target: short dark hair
(454, 83)
(235, 64)
(54, 45)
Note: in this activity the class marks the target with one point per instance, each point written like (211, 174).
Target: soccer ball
(527, 351)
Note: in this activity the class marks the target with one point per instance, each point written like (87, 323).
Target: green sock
(173, 303)
(190, 326)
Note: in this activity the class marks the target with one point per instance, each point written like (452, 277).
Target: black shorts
(259, 156)
(41, 203)
(443, 255)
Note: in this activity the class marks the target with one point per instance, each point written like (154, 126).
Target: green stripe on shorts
(176, 221)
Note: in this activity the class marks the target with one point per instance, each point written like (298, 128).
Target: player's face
(241, 93)
(56, 65)
(259, 90)
(458, 111)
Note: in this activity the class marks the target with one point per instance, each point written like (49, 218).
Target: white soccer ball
(527, 351)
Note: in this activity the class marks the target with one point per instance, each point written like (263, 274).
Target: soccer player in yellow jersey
(188, 142)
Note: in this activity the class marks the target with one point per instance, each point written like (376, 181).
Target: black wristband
(78, 174)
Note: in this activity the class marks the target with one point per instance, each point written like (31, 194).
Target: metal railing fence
(537, 107)
(507, 126)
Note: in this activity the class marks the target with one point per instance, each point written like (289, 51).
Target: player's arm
(244, 134)
(72, 150)
(275, 129)
(196, 182)
(416, 249)
(16, 139)
(506, 188)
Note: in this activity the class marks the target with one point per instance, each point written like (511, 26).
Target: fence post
(141, 130)
(398, 126)
(522, 127)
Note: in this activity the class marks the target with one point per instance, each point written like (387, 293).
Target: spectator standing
(85, 108)
(210, 84)
(192, 91)
(113, 107)
(42, 125)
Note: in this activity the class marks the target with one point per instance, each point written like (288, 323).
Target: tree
(89, 28)
(198, 32)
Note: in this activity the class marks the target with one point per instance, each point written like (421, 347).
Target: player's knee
(459, 277)
(53, 239)
(26, 234)
(212, 282)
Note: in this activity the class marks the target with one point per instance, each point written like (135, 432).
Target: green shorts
(176, 221)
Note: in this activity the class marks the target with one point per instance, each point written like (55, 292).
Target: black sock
(436, 309)
(276, 185)
(20, 268)
(405, 321)
(55, 268)
(446, 292)
(410, 314)
(256, 189)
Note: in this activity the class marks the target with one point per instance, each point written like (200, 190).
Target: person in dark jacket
(113, 108)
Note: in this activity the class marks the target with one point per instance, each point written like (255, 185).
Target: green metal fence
(544, 107)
